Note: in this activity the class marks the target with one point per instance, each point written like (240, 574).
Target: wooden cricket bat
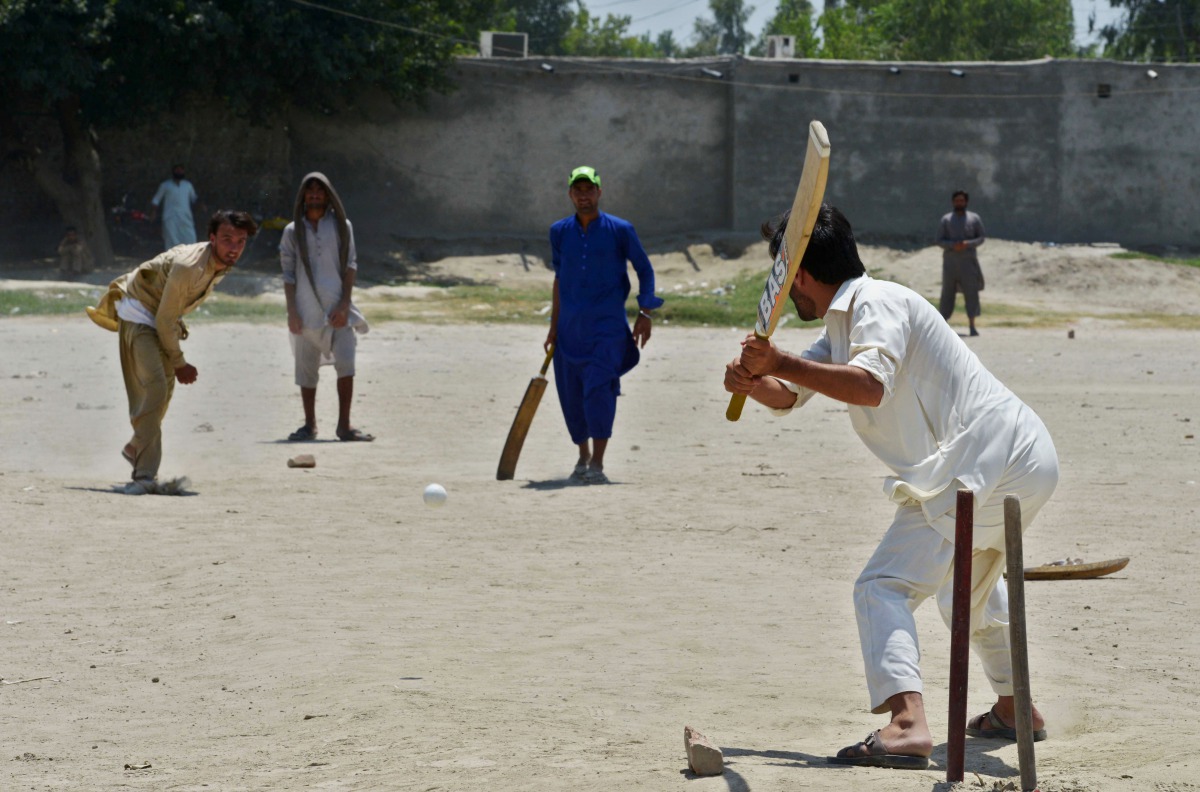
(520, 424)
(805, 207)
(1075, 571)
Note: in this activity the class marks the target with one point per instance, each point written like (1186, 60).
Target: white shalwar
(944, 423)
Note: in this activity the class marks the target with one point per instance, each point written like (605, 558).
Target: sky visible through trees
(657, 16)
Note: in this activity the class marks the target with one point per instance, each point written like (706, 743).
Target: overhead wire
(660, 69)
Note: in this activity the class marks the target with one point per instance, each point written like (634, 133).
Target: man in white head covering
(319, 267)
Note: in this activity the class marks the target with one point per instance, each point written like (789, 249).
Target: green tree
(945, 30)
(666, 44)
(546, 21)
(725, 33)
(81, 64)
(792, 18)
(853, 33)
(1155, 30)
(589, 36)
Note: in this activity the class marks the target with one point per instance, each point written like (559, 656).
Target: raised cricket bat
(520, 424)
(805, 207)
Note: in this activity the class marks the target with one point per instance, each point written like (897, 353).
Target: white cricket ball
(435, 496)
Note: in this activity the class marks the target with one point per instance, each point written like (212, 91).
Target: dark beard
(800, 313)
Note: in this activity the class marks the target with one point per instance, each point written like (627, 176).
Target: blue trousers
(588, 395)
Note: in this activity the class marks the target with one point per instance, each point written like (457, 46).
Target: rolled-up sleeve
(878, 340)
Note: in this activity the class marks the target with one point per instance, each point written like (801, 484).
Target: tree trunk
(76, 188)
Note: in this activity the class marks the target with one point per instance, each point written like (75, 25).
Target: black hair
(957, 193)
(241, 220)
(832, 255)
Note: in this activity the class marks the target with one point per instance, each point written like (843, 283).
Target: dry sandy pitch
(289, 629)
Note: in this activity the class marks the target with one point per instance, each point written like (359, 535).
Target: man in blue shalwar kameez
(593, 345)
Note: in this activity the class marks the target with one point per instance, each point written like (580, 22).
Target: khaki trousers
(149, 383)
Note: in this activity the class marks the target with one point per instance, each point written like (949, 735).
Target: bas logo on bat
(775, 281)
(805, 206)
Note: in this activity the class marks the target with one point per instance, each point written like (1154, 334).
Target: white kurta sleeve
(879, 333)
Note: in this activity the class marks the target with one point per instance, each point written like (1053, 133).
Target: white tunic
(176, 199)
(326, 270)
(945, 422)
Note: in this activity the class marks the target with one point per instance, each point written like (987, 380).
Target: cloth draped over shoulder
(317, 289)
(339, 212)
(169, 286)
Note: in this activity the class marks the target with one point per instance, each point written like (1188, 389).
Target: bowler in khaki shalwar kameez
(146, 308)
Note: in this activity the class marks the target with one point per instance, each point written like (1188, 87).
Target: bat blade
(521, 423)
(805, 207)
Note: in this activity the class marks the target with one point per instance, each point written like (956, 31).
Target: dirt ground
(322, 629)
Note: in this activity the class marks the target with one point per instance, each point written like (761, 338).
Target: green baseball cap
(584, 172)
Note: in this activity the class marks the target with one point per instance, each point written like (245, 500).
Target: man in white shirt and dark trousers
(925, 405)
(319, 268)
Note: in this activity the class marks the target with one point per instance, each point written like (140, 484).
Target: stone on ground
(703, 757)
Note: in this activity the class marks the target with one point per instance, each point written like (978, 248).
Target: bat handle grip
(736, 402)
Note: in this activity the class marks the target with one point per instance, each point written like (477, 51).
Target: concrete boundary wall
(717, 144)
(1064, 151)
(492, 159)
(1042, 153)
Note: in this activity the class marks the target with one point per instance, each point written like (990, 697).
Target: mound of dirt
(1052, 278)
(1058, 278)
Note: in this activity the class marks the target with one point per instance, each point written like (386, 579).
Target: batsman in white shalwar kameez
(945, 423)
(926, 406)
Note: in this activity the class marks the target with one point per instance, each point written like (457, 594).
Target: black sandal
(303, 434)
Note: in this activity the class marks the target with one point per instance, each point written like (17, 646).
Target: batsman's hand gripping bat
(520, 424)
(805, 207)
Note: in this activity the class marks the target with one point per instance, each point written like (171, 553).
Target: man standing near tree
(176, 196)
